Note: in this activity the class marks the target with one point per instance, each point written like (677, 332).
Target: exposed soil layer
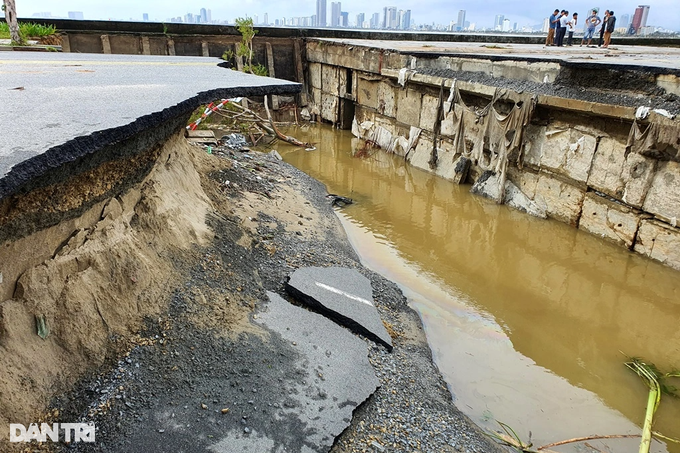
(605, 86)
(204, 354)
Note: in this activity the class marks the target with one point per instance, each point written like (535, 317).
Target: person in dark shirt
(603, 28)
(611, 25)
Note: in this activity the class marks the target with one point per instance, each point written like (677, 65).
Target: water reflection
(527, 318)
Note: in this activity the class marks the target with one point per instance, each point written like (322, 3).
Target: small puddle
(526, 318)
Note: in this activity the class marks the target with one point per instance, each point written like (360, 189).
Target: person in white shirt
(571, 26)
(564, 20)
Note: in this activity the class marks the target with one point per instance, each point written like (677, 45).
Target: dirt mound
(98, 285)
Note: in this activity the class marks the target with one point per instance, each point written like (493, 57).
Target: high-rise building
(460, 23)
(360, 20)
(546, 25)
(208, 16)
(145, 17)
(344, 19)
(406, 20)
(77, 15)
(390, 17)
(506, 24)
(266, 19)
(204, 16)
(336, 9)
(498, 22)
(623, 21)
(320, 13)
(640, 18)
(375, 21)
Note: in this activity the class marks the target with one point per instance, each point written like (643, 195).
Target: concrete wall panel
(125, 44)
(387, 99)
(659, 241)
(568, 151)
(86, 43)
(663, 198)
(367, 93)
(316, 96)
(420, 157)
(534, 137)
(428, 112)
(315, 75)
(409, 105)
(159, 46)
(329, 79)
(188, 47)
(446, 160)
(562, 201)
(329, 107)
(610, 220)
(624, 178)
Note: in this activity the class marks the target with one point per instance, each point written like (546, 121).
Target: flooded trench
(527, 318)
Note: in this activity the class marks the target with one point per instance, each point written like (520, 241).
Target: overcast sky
(664, 13)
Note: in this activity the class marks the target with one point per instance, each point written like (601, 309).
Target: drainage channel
(527, 318)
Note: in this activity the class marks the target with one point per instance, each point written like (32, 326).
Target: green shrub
(257, 69)
(28, 30)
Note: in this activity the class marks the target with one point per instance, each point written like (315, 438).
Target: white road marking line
(343, 293)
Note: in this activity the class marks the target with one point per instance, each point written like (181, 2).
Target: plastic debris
(664, 112)
(642, 112)
(235, 141)
(41, 326)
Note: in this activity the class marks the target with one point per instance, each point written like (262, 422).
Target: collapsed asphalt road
(235, 366)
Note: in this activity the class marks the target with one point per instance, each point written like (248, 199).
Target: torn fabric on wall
(655, 140)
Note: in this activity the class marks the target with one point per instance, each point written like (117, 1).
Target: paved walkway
(50, 98)
(661, 57)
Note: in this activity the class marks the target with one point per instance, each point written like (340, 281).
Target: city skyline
(661, 14)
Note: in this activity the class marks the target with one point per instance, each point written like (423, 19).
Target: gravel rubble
(187, 372)
(654, 97)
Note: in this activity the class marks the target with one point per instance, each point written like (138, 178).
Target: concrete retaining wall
(575, 165)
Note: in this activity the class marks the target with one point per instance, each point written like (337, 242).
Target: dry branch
(281, 136)
(582, 439)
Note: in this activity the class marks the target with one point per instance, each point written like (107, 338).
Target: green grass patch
(28, 30)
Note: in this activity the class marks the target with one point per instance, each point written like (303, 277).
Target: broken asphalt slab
(291, 386)
(335, 378)
(97, 101)
(343, 295)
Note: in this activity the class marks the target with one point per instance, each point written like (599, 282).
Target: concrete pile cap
(343, 295)
(60, 107)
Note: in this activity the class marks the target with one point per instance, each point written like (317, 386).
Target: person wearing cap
(592, 22)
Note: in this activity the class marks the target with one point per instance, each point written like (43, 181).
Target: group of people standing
(562, 25)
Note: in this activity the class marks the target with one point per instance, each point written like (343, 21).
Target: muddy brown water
(527, 318)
